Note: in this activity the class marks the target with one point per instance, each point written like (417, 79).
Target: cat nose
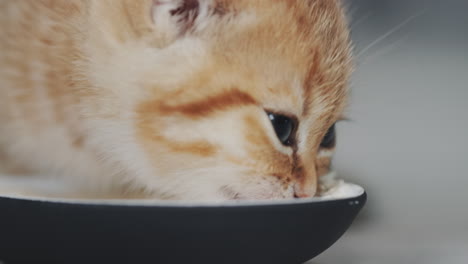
(304, 191)
(306, 186)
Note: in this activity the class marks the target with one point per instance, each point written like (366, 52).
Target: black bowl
(285, 232)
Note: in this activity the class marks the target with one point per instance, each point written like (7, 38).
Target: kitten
(173, 99)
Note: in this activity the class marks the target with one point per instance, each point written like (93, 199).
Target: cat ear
(160, 21)
(175, 18)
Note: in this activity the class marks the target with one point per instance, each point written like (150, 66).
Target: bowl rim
(358, 193)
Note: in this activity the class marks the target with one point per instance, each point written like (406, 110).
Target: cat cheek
(323, 162)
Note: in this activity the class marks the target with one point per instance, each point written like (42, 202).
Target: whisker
(382, 51)
(388, 34)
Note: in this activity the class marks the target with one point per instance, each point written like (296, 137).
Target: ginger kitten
(173, 99)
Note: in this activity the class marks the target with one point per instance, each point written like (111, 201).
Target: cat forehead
(291, 55)
(301, 47)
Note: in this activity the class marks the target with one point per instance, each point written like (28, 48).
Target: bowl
(41, 230)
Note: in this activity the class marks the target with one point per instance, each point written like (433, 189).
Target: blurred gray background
(407, 142)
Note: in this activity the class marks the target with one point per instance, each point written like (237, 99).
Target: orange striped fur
(167, 98)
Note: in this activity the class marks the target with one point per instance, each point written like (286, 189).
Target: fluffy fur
(167, 98)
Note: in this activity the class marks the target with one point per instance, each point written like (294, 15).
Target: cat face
(219, 100)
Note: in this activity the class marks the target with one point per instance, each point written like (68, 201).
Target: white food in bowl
(49, 189)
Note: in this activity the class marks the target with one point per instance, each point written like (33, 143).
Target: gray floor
(407, 143)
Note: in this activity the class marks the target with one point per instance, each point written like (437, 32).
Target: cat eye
(329, 139)
(284, 128)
